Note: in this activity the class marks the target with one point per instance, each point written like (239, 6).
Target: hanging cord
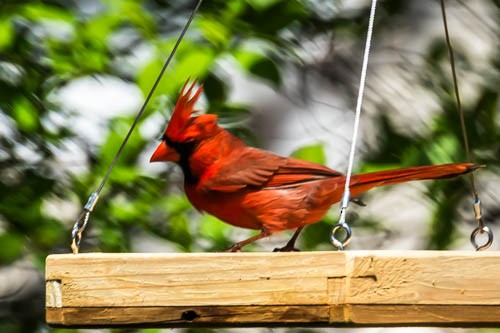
(342, 224)
(83, 219)
(481, 228)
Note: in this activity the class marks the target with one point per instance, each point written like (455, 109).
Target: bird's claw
(234, 248)
(286, 248)
(358, 202)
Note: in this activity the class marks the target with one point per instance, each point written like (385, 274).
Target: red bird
(256, 189)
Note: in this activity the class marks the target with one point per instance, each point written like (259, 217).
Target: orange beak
(164, 153)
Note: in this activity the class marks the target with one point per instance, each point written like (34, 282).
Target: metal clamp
(81, 222)
(77, 232)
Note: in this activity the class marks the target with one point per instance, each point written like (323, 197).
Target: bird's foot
(358, 202)
(286, 248)
(234, 248)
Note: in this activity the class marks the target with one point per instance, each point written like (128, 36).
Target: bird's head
(184, 130)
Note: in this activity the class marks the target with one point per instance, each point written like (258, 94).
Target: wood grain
(360, 288)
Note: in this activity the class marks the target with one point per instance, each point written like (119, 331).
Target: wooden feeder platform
(353, 288)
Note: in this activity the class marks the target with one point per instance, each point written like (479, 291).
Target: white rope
(346, 195)
(359, 102)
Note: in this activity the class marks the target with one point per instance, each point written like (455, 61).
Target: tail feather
(364, 182)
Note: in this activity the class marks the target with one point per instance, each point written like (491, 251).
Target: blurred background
(282, 75)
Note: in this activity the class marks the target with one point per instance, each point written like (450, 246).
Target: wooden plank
(360, 288)
(426, 278)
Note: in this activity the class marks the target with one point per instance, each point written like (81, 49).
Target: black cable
(79, 227)
(481, 228)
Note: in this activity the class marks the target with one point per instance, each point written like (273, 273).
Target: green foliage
(313, 153)
(443, 224)
(12, 245)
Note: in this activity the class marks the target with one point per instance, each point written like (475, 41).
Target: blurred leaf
(148, 75)
(25, 114)
(215, 89)
(214, 30)
(6, 34)
(262, 4)
(246, 58)
(21, 204)
(265, 68)
(112, 238)
(125, 174)
(38, 11)
(214, 229)
(129, 210)
(176, 204)
(258, 65)
(179, 231)
(119, 129)
(194, 64)
(393, 148)
(485, 112)
(231, 115)
(272, 16)
(443, 149)
(316, 234)
(12, 247)
(134, 12)
(313, 153)
(97, 30)
(443, 227)
(372, 167)
(48, 234)
(244, 134)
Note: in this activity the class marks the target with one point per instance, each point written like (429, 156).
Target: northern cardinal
(256, 189)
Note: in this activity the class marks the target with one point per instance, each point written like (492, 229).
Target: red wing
(257, 168)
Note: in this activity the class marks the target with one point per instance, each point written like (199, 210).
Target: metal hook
(481, 230)
(340, 244)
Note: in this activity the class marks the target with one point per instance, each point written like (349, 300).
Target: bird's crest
(183, 126)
